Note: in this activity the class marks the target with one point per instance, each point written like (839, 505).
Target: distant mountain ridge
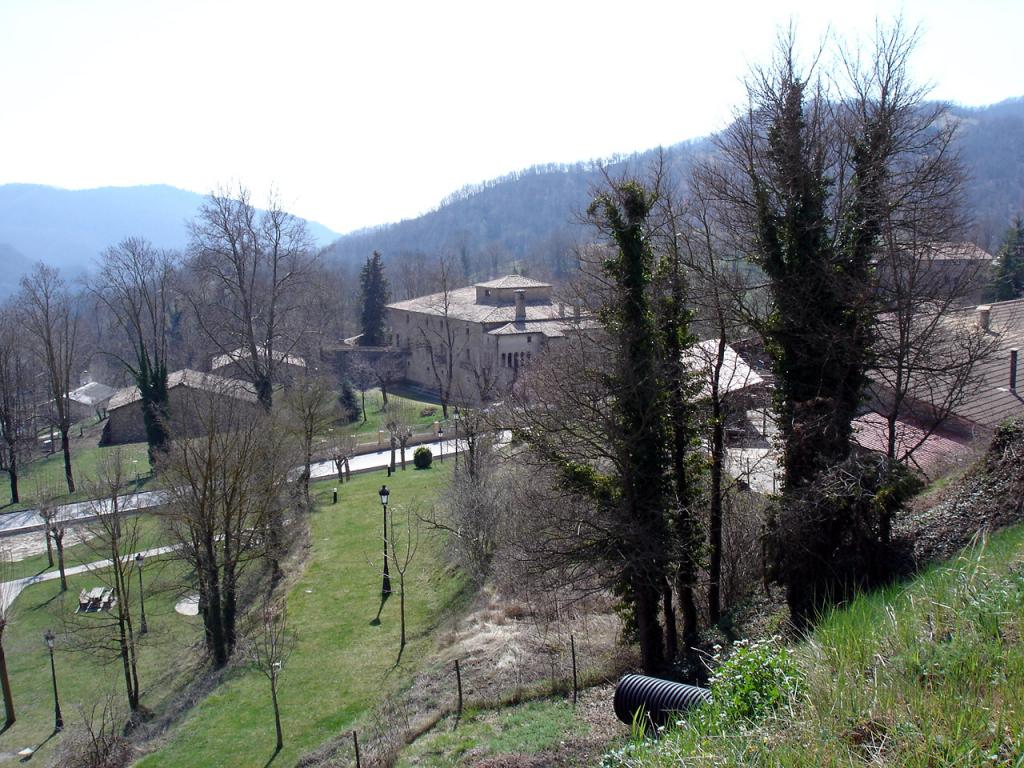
(527, 214)
(70, 228)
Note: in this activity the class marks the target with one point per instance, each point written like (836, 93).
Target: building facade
(479, 337)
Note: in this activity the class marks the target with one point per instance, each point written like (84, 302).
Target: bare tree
(228, 490)
(135, 284)
(342, 448)
(388, 369)
(15, 408)
(116, 538)
(398, 422)
(253, 269)
(47, 511)
(360, 371)
(402, 555)
(311, 406)
(442, 342)
(6, 599)
(51, 318)
(269, 645)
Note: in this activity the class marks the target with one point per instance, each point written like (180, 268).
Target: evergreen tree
(376, 293)
(1008, 282)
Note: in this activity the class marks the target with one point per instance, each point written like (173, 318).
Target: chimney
(984, 317)
(1013, 369)
(520, 306)
(576, 312)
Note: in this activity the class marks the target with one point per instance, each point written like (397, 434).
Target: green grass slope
(926, 674)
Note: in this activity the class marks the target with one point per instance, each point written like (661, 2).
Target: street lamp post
(58, 723)
(142, 596)
(385, 588)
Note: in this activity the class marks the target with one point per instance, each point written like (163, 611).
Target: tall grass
(925, 675)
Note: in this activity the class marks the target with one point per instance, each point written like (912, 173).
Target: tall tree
(135, 284)
(254, 269)
(15, 406)
(51, 318)
(1008, 282)
(818, 181)
(599, 414)
(227, 492)
(375, 293)
(6, 599)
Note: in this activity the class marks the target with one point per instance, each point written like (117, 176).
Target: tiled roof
(461, 305)
(548, 328)
(990, 401)
(91, 394)
(871, 431)
(221, 361)
(186, 377)
(734, 375)
(513, 281)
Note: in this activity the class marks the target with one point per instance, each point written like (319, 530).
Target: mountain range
(529, 215)
(70, 228)
(525, 215)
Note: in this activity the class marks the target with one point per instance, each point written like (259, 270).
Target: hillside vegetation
(930, 673)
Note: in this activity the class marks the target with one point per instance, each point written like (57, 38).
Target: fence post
(355, 741)
(458, 682)
(572, 644)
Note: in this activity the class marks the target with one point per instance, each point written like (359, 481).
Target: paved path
(79, 512)
(11, 589)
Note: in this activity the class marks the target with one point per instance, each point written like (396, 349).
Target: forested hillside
(528, 218)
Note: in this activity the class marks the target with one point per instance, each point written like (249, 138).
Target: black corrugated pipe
(657, 698)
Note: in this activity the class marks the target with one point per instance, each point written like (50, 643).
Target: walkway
(9, 590)
(79, 512)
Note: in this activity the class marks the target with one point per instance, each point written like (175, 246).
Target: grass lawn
(343, 663)
(47, 474)
(83, 680)
(924, 674)
(150, 536)
(376, 416)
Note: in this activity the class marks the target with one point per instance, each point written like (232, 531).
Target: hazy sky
(365, 112)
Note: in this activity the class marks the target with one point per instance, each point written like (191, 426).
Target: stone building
(184, 388)
(486, 333)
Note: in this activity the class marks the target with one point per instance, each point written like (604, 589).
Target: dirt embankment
(990, 496)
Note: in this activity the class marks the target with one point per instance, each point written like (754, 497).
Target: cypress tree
(376, 293)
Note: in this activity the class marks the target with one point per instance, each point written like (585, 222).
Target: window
(527, 357)
(503, 364)
(398, 340)
(467, 330)
(529, 339)
(487, 292)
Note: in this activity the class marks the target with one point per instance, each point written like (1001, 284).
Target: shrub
(423, 458)
(757, 678)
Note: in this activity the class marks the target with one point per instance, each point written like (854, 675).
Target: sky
(360, 113)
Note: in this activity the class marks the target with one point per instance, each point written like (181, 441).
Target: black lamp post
(440, 437)
(142, 597)
(58, 723)
(385, 588)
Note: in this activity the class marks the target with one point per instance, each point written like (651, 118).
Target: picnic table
(95, 599)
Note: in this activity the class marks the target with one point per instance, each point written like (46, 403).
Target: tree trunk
(58, 537)
(264, 392)
(688, 607)
(403, 454)
(671, 636)
(715, 513)
(49, 544)
(65, 445)
(12, 472)
(5, 683)
(384, 394)
(277, 714)
(646, 599)
(362, 397)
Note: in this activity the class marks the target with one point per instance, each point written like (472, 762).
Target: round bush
(423, 458)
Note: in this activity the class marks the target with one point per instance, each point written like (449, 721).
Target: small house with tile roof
(124, 410)
(492, 331)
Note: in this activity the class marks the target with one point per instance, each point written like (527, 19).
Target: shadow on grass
(273, 757)
(376, 619)
(39, 746)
